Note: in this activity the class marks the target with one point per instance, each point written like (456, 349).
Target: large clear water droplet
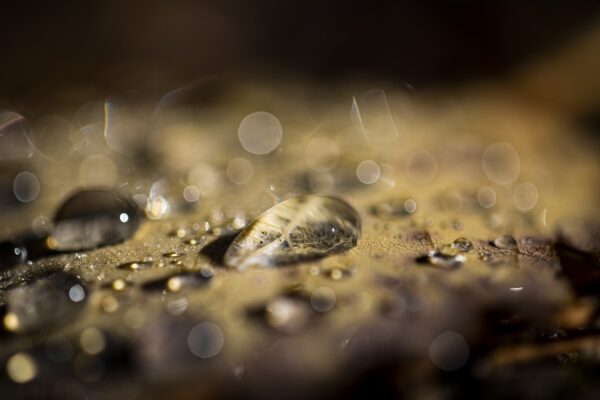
(93, 218)
(300, 228)
(47, 302)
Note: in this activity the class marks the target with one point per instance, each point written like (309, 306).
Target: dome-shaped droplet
(300, 228)
(93, 218)
(47, 302)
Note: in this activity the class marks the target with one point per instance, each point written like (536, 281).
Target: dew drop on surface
(391, 209)
(136, 265)
(501, 163)
(205, 340)
(12, 254)
(322, 154)
(486, 196)
(26, 187)
(462, 244)
(445, 260)
(14, 136)
(300, 228)
(44, 303)
(421, 167)
(505, 242)
(93, 218)
(322, 299)
(449, 351)
(368, 172)
(240, 171)
(525, 196)
(260, 132)
(287, 314)
(21, 368)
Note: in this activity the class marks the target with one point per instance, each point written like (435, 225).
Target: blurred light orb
(501, 163)
(421, 167)
(322, 299)
(191, 194)
(410, 206)
(58, 348)
(205, 340)
(240, 171)
(26, 187)
(205, 177)
(92, 341)
(76, 293)
(322, 154)
(21, 368)
(368, 172)
(157, 207)
(486, 196)
(449, 351)
(260, 132)
(525, 196)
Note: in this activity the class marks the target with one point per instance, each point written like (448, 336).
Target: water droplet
(12, 254)
(449, 351)
(391, 209)
(501, 163)
(444, 259)
(26, 187)
(93, 218)
(240, 171)
(21, 368)
(421, 167)
(44, 303)
(525, 196)
(505, 242)
(260, 132)
(339, 273)
(179, 282)
(206, 340)
(368, 172)
(300, 228)
(287, 314)
(136, 265)
(462, 244)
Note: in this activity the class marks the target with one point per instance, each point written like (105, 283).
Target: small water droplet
(444, 259)
(136, 265)
(93, 218)
(505, 242)
(300, 228)
(12, 254)
(179, 282)
(172, 254)
(462, 244)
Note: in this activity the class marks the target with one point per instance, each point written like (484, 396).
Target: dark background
(51, 47)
